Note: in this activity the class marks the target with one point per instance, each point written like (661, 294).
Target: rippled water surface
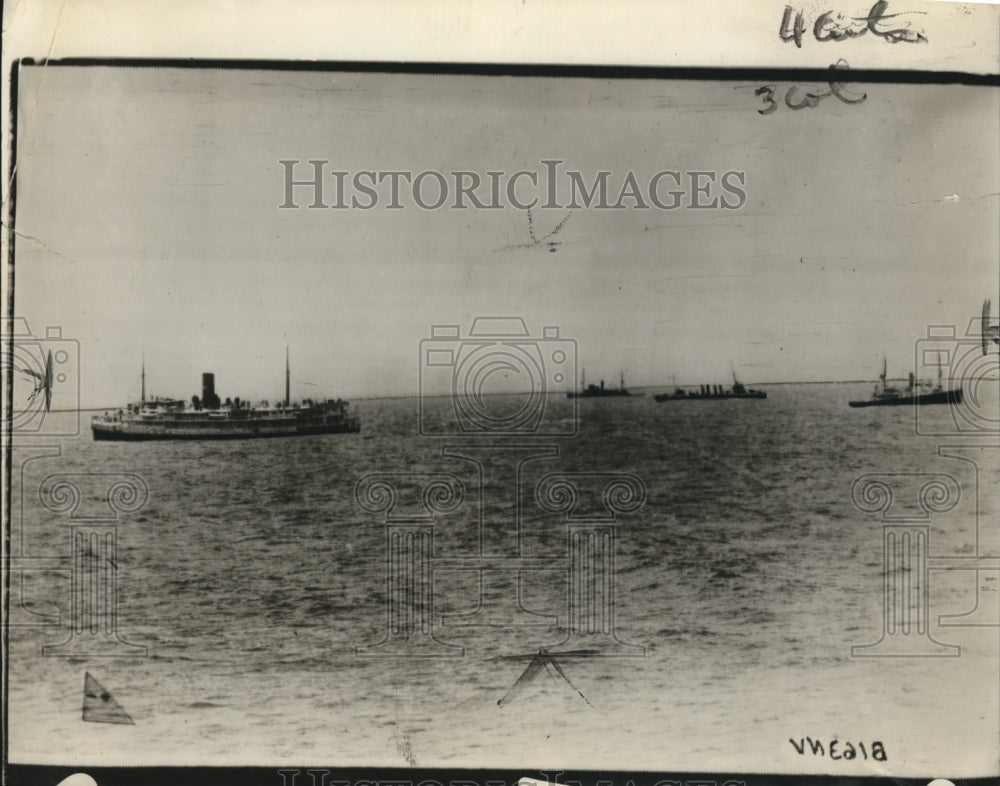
(252, 575)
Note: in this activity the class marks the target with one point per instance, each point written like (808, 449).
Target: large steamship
(208, 417)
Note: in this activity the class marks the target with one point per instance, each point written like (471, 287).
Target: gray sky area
(149, 224)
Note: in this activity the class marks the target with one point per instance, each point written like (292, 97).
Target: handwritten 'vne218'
(839, 749)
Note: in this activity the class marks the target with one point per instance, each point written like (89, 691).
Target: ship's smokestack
(208, 398)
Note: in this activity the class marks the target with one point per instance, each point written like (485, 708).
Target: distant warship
(712, 392)
(599, 391)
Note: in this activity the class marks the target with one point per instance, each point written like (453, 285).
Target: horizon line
(552, 393)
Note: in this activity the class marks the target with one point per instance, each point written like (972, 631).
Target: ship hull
(143, 432)
(606, 394)
(711, 397)
(942, 397)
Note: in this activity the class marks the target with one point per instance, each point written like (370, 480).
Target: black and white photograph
(544, 418)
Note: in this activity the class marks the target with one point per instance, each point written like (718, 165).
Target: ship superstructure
(208, 417)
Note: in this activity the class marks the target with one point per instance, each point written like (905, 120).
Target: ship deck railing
(222, 414)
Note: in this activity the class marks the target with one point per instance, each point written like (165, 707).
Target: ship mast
(142, 395)
(288, 381)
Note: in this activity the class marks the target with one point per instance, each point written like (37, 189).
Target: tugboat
(885, 396)
(599, 391)
(712, 392)
(209, 418)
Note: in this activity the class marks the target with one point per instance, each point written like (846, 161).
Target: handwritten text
(833, 26)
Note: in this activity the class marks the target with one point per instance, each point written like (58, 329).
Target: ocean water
(252, 575)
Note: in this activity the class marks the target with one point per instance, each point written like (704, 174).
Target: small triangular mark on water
(99, 706)
(542, 662)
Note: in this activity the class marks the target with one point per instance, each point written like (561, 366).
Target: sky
(149, 228)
